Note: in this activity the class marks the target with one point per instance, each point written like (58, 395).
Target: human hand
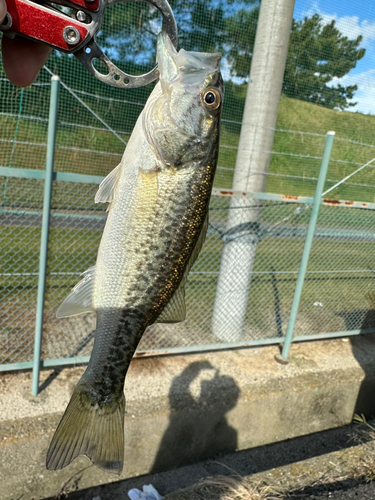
(22, 58)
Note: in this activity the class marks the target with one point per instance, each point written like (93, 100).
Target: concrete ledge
(182, 409)
(298, 480)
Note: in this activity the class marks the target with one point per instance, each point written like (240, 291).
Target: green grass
(305, 117)
(273, 283)
(300, 116)
(293, 115)
(277, 260)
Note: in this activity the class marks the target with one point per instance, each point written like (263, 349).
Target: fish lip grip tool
(42, 22)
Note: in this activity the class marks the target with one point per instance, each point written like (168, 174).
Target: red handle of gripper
(42, 24)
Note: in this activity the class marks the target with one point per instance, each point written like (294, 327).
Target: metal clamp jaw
(76, 35)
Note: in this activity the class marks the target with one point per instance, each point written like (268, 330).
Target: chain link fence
(338, 294)
(20, 223)
(95, 122)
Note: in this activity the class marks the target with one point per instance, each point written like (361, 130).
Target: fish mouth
(183, 64)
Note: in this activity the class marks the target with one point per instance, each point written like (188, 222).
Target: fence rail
(339, 279)
(337, 297)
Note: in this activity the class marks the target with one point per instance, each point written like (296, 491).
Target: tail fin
(96, 431)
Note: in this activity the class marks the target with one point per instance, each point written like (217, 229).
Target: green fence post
(52, 124)
(307, 246)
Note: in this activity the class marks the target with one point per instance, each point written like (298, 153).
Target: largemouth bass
(156, 225)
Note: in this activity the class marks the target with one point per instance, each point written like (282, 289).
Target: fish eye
(212, 99)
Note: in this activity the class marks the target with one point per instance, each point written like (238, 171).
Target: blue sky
(353, 18)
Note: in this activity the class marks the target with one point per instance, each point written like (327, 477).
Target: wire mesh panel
(20, 222)
(74, 239)
(327, 67)
(23, 124)
(95, 120)
(22, 145)
(281, 234)
(337, 295)
(339, 289)
(328, 72)
(75, 230)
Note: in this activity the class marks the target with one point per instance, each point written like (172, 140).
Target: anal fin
(175, 310)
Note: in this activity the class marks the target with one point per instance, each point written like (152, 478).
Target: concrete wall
(182, 409)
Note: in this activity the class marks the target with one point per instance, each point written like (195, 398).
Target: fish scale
(157, 219)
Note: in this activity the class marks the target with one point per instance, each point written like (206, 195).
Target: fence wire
(342, 298)
(20, 230)
(95, 123)
(338, 293)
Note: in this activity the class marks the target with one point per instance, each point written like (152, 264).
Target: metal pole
(52, 124)
(307, 246)
(252, 163)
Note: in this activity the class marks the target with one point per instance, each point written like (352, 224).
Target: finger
(3, 10)
(23, 59)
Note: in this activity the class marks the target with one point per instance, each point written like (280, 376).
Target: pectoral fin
(79, 300)
(175, 310)
(106, 191)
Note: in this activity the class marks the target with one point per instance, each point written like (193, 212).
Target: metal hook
(116, 77)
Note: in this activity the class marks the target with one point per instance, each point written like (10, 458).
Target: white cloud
(352, 27)
(365, 95)
(349, 26)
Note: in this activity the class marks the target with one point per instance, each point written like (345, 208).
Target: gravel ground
(346, 490)
(325, 460)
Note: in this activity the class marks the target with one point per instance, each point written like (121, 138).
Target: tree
(317, 54)
(200, 24)
(130, 30)
(241, 30)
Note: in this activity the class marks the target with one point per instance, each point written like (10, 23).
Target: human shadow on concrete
(198, 429)
(363, 347)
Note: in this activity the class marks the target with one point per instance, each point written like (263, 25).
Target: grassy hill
(85, 146)
(294, 165)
